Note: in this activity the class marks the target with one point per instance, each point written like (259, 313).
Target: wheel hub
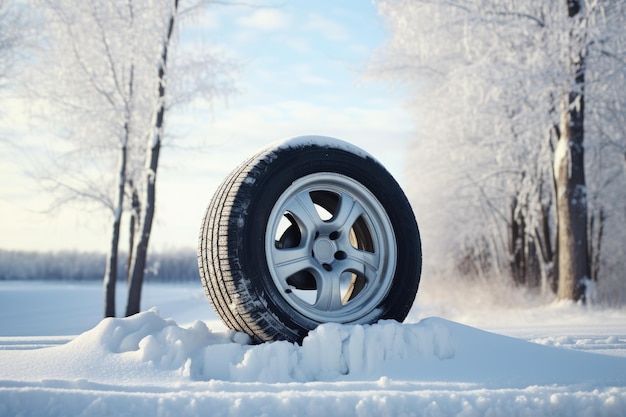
(324, 250)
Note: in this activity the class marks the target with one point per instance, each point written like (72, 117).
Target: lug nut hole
(340, 255)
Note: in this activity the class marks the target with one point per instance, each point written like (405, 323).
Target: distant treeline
(175, 266)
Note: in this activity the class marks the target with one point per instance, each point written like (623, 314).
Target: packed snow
(478, 357)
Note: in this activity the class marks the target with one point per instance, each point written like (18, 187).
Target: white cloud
(306, 74)
(265, 20)
(330, 29)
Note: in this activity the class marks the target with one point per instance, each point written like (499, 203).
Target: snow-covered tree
(569, 163)
(211, 79)
(153, 148)
(102, 75)
(11, 36)
(91, 75)
(503, 93)
(15, 34)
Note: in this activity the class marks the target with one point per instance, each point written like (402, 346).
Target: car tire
(309, 231)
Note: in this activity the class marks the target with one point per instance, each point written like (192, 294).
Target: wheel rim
(330, 248)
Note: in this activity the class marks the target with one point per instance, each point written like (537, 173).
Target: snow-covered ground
(462, 352)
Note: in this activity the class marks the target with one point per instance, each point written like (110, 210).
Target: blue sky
(314, 48)
(301, 72)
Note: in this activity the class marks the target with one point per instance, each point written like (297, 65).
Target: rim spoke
(292, 260)
(348, 211)
(302, 208)
(328, 292)
(362, 262)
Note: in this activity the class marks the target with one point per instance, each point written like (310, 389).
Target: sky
(301, 71)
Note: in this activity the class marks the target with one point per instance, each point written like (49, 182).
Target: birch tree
(501, 93)
(102, 75)
(153, 148)
(91, 52)
(213, 79)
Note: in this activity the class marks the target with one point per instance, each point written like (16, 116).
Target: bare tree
(97, 72)
(153, 147)
(110, 274)
(102, 76)
(210, 83)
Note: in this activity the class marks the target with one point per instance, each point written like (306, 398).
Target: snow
(562, 156)
(323, 141)
(177, 359)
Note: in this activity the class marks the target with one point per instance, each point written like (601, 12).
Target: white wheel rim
(329, 232)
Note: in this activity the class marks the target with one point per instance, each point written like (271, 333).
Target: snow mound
(432, 350)
(146, 365)
(147, 337)
(327, 353)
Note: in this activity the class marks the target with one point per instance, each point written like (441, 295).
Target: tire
(310, 231)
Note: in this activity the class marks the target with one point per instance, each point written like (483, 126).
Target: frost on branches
(493, 82)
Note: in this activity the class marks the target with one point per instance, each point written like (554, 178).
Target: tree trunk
(571, 190)
(110, 274)
(152, 162)
(533, 267)
(133, 228)
(517, 244)
(595, 244)
(543, 236)
(140, 253)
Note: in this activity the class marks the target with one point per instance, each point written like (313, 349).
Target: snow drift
(433, 349)
(148, 365)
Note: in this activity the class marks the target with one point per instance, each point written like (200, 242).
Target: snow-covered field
(460, 353)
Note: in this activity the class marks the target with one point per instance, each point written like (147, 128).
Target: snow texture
(561, 157)
(323, 141)
(147, 365)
